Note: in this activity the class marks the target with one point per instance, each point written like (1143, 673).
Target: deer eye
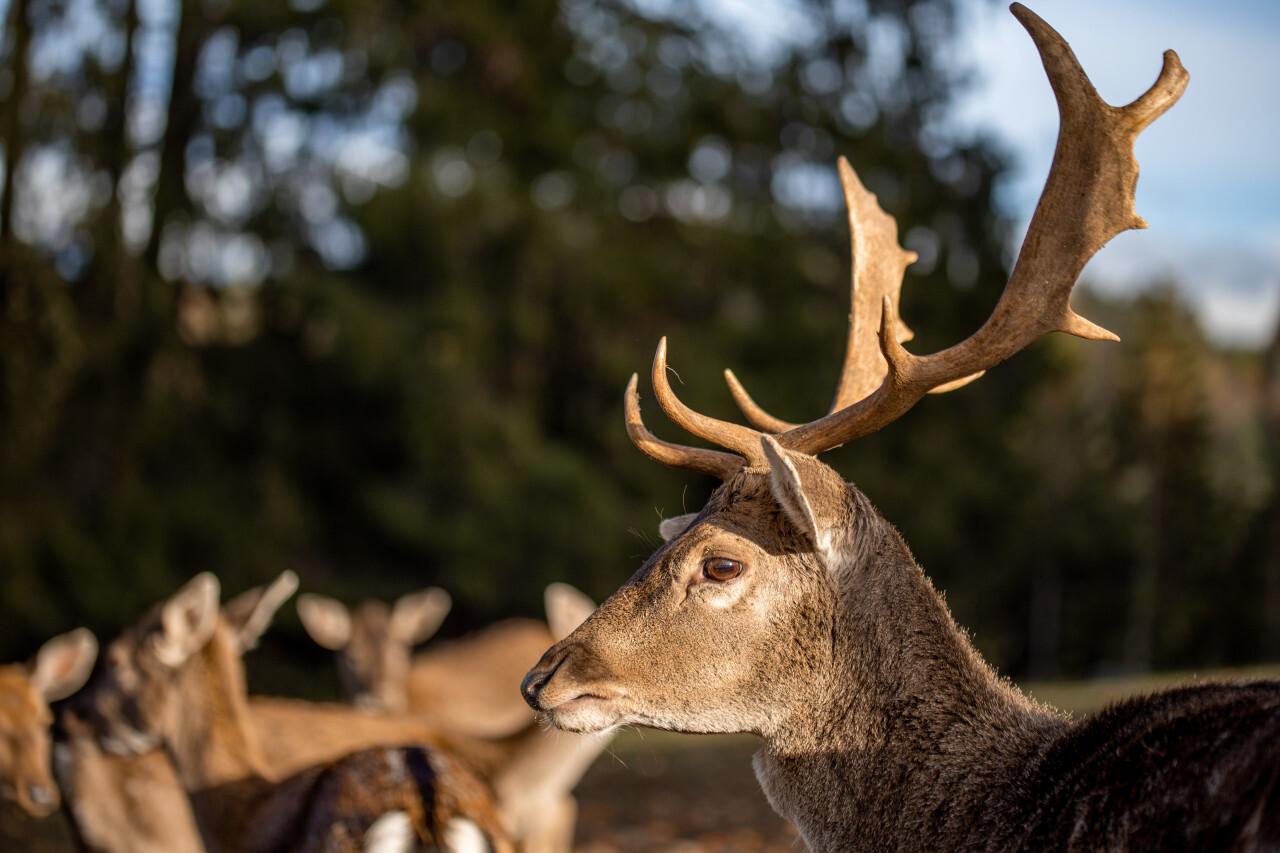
(721, 569)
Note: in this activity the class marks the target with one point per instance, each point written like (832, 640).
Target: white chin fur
(585, 716)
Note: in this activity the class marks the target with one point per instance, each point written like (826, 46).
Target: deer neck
(213, 742)
(907, 704)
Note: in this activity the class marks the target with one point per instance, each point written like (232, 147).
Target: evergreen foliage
(354, 288)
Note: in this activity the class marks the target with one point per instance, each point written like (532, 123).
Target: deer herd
(787, 608)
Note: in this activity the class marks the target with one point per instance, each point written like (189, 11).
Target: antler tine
(878, 266)
(1088, 199)
(743, 441)
(713, 462)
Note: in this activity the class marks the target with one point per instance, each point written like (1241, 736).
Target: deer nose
(537, 678)
(42, 797)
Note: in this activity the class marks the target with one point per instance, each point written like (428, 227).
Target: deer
(789, 608)
(136, 803)
(56, 671)
(468, 687)
(176, 680)
(465, 692)
(120, 803)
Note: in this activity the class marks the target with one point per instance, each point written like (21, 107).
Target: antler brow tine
(741, 440)
(713, 462)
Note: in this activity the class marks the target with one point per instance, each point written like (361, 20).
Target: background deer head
(57, 670)
(375, 641)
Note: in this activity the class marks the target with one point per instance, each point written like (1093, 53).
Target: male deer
(790, 609)
(461, 691)
(57, 670)
(176, 680)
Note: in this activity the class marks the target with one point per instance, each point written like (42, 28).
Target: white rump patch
(391, 833)
(463, 836)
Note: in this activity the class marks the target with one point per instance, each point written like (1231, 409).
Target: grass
(1085, 697)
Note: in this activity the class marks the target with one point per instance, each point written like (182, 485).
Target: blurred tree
(353, 288)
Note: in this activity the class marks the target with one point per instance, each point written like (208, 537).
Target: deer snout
(40, 800)
(536, 679)
(575, 689)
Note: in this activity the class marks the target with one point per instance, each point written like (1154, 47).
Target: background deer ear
(62, 664)
(326, 619)
(187, 620)
(416, 616)
(567, 608)
(813, 496)
(249, 614)
(670, 528)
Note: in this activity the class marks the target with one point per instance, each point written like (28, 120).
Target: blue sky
(1210, 172)
(1209, 185)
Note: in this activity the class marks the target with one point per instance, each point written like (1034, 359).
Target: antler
(743, 441)
(878, 265)
(1088, 199)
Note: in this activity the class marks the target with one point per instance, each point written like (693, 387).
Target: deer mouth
(585, 713)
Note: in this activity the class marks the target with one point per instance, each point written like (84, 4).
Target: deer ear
(416, 616)
(326, 619)
(62, 664)
(670, 528)
(567, 608)
(813, 496)
(250, 613)
(187, 621)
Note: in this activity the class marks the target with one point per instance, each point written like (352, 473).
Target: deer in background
(465, 690)
(57, 670)
(121, 803)
(176, 680)
(468, 687)
(789, 608)
(135, 803)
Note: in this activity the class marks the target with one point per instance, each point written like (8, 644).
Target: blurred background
(353, 288)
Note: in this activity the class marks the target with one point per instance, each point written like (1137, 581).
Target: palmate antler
(1088, 199)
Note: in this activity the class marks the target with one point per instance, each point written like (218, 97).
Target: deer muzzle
(574, 690)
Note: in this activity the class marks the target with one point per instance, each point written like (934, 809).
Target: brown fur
(176, 680)
(121, 803)
(458, 692)
(883, 728)
(57, 670)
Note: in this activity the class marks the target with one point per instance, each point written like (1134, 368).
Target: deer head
(375, 641)
(775, 608)
(176, 680)
(136, 697)
(57, 670)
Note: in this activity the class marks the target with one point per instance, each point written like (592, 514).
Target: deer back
(471, 686)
